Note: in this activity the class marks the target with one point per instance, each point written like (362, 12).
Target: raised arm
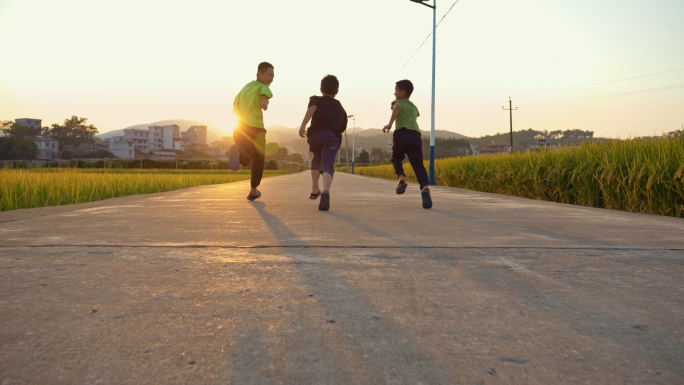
(309, 114)
(395, 113)
(264, 102)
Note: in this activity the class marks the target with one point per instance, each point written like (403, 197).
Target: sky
(612, 67)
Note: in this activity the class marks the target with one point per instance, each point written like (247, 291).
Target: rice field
(21, 189)
(632, 175)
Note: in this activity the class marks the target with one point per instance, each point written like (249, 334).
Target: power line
(428, 36)
(620, 80)
(666, 88)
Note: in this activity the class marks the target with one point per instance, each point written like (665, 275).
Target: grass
(632, 175)
(21, 189)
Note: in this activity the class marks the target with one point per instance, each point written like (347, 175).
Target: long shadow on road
(383, 353)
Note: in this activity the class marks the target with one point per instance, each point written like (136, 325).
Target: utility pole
(511, 109)
(432, 108)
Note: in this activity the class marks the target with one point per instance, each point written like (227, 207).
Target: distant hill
(364, 138)
(213, 133)
(280, 134)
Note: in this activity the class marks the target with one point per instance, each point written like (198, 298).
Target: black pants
(252, 142)
(409, 142)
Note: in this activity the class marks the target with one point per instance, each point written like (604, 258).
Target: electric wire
(621, 80)
(657, 89)
(428, 36)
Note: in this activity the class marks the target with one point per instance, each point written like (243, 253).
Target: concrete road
(200, 286)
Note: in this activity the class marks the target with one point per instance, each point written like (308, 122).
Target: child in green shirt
(407, 140)
(250, 134)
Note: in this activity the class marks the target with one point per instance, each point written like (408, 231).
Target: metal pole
(346, 149)
(510, 109)
(432, 127)
(354, 144)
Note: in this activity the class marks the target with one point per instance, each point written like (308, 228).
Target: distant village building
(494, 148)
(85, 148)
(223, 145)
(165, 154)
(48, 148)
(30, 123)
(159, 142)
(156, 138)
(121, 147)
(170, 136)
(543, 143)
(196, 134)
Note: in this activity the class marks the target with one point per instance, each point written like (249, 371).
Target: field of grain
(51, 187)
(632, 175)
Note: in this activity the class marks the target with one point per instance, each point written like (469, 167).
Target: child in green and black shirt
(407, 140)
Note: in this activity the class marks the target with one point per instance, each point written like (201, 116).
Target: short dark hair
(406, 86)
(330, 84)
(263, 66)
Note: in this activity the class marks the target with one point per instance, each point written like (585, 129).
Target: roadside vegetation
(20, 188)
(641, 176)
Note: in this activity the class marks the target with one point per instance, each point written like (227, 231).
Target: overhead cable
(428, 36)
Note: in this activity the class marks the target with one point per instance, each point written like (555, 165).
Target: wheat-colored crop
(642, 176)
(51, 187)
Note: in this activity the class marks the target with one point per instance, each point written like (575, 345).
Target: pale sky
(138, 61)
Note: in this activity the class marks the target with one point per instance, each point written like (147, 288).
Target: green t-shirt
(407, 115)
(247, 102)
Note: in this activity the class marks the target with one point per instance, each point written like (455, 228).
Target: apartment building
(195, 134)
(156, 139)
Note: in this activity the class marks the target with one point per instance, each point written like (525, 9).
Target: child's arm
(264, 102)
(395, 113)
(309, 114)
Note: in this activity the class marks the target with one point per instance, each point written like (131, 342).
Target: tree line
(17, 140)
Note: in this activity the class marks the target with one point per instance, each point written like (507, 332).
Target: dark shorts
(324, 146)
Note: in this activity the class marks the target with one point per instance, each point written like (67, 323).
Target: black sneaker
(427, 201)
(234, 158)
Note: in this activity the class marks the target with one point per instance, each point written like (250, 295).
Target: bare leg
(315, 176)
(402, 179)
(253, 192)
(327, 181)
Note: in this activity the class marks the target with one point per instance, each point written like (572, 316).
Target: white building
(48, 148)
(156, 135)
(155, 139)
(30, 123)
(171, 135)
(121, 147)
(124, 146)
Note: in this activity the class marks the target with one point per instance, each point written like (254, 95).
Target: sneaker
(427, 201)
(234, 158)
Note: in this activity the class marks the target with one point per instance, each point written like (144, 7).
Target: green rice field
(21, 189)
(633, 175)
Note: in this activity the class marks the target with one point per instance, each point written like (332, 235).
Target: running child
(328, 122)
(250, 134)
(407, 140)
